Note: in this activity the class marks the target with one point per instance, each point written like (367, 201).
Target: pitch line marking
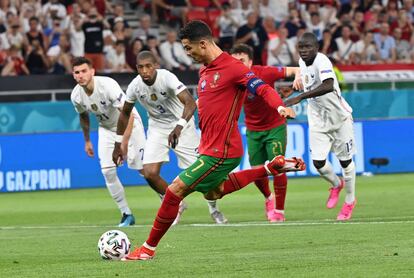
(242, 224)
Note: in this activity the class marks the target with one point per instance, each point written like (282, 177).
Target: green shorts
(264, 145)
(208, 172)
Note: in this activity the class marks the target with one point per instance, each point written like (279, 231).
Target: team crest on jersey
(94, 107)
(154, 97)
(216, 78)
(203, 85)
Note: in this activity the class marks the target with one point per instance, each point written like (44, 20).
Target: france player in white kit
(104, 97)
(330, 122)
(171, 125)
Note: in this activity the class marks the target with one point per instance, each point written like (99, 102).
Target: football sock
(212, 206)
(240, 179)
(116, 189)
(329, 175)
(263, 186)
(349, 178)
(165, 217)
(280, 187)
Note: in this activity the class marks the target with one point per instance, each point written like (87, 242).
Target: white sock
(116, 189)
(280, 211)
(146, 245)
(329, 175)
(161, 197)
(212, 206)
(349, 178)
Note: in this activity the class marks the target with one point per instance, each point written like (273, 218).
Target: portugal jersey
(160, 99)
(105, 102)
(258, 115)
(221, 91)
(329, 111)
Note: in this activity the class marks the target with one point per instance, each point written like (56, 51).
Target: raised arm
(189, 108)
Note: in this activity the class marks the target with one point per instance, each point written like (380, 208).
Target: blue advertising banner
(52, 161)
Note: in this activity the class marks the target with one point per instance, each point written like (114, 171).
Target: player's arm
(127, 134)
(120, 130)
(189, 107)
(256, 86)
(84, 123)
(327, 86)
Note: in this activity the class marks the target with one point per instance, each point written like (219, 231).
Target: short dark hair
(77, 61)
(308, 36)
(242, 48)
(34, 18)
(146, 55)
(196, 30)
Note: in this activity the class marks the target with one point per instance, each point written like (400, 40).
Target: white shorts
(106, 141)
(341, 142)
(156, 148)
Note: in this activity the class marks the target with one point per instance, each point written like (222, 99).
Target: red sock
(242, 178)
(165, 217)
(263, 186)
(280, 185)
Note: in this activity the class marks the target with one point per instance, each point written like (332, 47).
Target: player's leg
(187, 153)
(344, 148)
(106, 143)
(276, 145)
(320, 145)
(257, 157)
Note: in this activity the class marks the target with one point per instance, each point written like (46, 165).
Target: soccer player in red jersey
(266, 130)
(222, 85)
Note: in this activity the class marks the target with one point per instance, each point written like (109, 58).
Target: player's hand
(124, 149)
(287, 112)
(117, 157)
(297, 84)
(173, 137)
(89, 148)
(293, 100)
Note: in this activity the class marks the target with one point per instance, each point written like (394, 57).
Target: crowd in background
(40, 37)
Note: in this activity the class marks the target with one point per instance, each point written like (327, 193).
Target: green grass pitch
(55, 234)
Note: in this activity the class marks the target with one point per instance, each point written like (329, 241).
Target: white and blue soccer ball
(113, 245)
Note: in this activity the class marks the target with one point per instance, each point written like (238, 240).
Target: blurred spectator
(408, 6)
(132, 51)
(153, 46)
(15, 64)
(35, 34)
(241, 13)
(6, 8)
(34, 5)
(403, 24)
(59, 57)
(270, 27)
(25, 16)
(52, 10)
(227, 24)
(345, 46)
(280, 50)
(277, 9)
(36, 60)
(345, 19)
(76, 36)
(392, 10)
(145, 29)
(315, 25)
(168, 9)
(253, 34)
(358, 24)
(4, 47)
(173, 54)
(53, 33)
(385, 44)
(327, 44)
(402, 47)
(294, 23)
(119, 14)
(93, 30)
(115, 59)
(15, 35)
(118, 30)
(365, 51)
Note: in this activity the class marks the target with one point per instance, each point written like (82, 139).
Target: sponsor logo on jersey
(154, 97)
(94, 107)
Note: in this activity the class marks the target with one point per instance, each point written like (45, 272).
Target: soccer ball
(113, 245)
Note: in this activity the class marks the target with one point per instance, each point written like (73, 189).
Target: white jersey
(105, 102)
(329, 111)
(160, 99)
